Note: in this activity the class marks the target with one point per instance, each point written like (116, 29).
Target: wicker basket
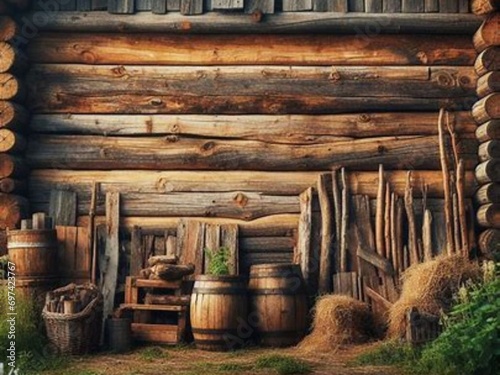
(76, 333)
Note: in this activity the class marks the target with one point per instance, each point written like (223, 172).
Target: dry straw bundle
(338, 320)
(430, 287)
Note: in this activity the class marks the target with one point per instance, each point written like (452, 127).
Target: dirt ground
(189, 361)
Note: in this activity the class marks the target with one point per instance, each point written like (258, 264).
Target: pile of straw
(430, 287)
(338, 320)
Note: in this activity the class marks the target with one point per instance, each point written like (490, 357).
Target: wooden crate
(142, 327)
(421, 328)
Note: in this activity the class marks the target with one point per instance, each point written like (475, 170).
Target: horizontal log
(248, 260)
(237, 205)
(488, 84)
(12, 186)
(268, 226)
(13, 208)
(489, 241)
(13, 116)
(488, 131)
(257, 89)
(292, 129)
(94, 152)
(488, 171)
(267, 244)
(11, 142)
(489, 193)
(488, 35)
(11, 88)
(8, 29)
(488, 215)
(482, 7)
(280, 183)
(489, 150)
(13, 60)
(487, 61)
(162, 299)
(231, 49)
(488, 108)
(12, 166)
(282, 23)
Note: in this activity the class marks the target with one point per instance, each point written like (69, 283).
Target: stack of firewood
(13, 124)
(70, 299)
(486, 112)
(164, 267)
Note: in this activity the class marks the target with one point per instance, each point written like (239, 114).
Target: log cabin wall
(231, 116)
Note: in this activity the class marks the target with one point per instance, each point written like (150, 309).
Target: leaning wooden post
(325, 279)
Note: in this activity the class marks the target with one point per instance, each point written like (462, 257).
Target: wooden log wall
(486, 112)
(208, 126)
(13, 125)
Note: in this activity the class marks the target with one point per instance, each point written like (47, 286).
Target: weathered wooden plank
(74, 254)
(136, 258)
(63, 207)
(266, 128)
(373, 6)
(227, 4)
(296, 5)
(68, 5)
(173, 5)
(83, 5)
(302, 251)
(190, 7)
(463, 6)
(109, 274)
(356, 6)
(230, 240)
(340, 6)
(143, 5)
(431, 6)
(159, 6)
(87, 152)
(171, 49)
(259, 6)
(99, 4)
(391, 6)
(121, 6)
(412, 6)
(291, 22)
(191, 250)
(448, 6)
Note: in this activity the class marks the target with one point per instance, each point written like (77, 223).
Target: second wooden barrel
(219, 311)
(278, 299)
(33, 252)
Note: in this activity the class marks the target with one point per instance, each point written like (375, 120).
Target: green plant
(389, 353)
(3, 266)
(283, 365)
(218, 261)
(153, 352)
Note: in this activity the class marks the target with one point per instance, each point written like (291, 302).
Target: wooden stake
(92, 242)
(462, 211)
(387, 221)
(456, 223)
(345, 222)
(412, 229)
(379, 214)
(304, 240)
(393, 234)
(399, 235)
(326, 236)
(446, 185)
(427, 235)
(337, 206)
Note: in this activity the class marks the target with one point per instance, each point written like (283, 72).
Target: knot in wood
(257, 16)
(445, 79)
(185, 25)
(208, 145)
(172, 138)
(241, 199)
(88, 57)
(119, 71)
(364, 117)
(464, 81)
(381, 149)
(422, 57)
(334, 75)
(156, 102)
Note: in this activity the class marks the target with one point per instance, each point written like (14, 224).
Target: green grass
(282, 364)
(390, 353)
(152, 353)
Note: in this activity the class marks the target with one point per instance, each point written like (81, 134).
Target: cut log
(481, 7)
(258, 89)
(488, 35)
(487, 61)
(13, 186)
(11, 142)
(13, 116)
(488, 131)
(162, 259)
(8, 29)
(232, 49)
(488, 215)
(161, 299)
(13, 208)
(280, 183)
(487, 108)
(12, 166)
(488, 84)
(171, 271)
(489, 241)
(13, 60)
(287, 129)
(11, 88)
(489, 150)
(325, 269)
(91, 152)
(488, 171)
(489, 193)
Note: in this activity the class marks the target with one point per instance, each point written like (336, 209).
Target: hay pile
(338, 320)
(430, 287)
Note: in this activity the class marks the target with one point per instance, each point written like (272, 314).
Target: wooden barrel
(219, 312)
(33, 252)
(278, 299)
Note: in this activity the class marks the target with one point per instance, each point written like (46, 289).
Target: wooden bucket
(278, 299)
(219, 311)
(33, 252)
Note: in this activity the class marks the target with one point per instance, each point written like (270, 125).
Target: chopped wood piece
(427, 235)
(488, 171)
(162, 299)
(489, 193)
(13, 186)
(488, 215)
(162, 259)
(11, 88)
(13, 60)
(487, 35)
(12, 166)
(489, 150)
(13, 208)
(487, 61)
(13, 116)
(171, 272)
(481, 7)
(489, 241)
(488, 108)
